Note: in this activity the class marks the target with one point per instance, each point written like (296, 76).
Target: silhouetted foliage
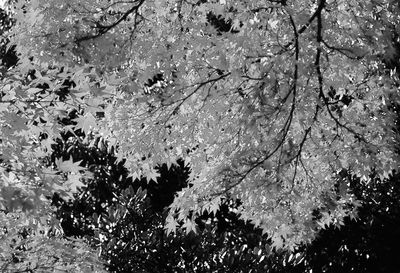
(220, 23)
(8, 56)
(125, 220)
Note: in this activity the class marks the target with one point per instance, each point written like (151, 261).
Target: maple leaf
(189, 226)
(69, 166)
(151, 175)
(171, 225)
(74, 182)
(86, 123)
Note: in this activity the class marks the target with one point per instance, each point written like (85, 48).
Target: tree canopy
(265, 101)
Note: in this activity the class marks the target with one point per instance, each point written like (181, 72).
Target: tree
(267, 112)
(136, 241)
(366, 244)
(31, 246)
(124, 219)
(32, 241)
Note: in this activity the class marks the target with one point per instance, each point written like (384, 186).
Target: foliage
(125, 220)
(32, 244)
(136, 241)
(368, 244)
(267, 112)
(7, 55)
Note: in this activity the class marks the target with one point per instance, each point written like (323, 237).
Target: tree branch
(102, 29)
